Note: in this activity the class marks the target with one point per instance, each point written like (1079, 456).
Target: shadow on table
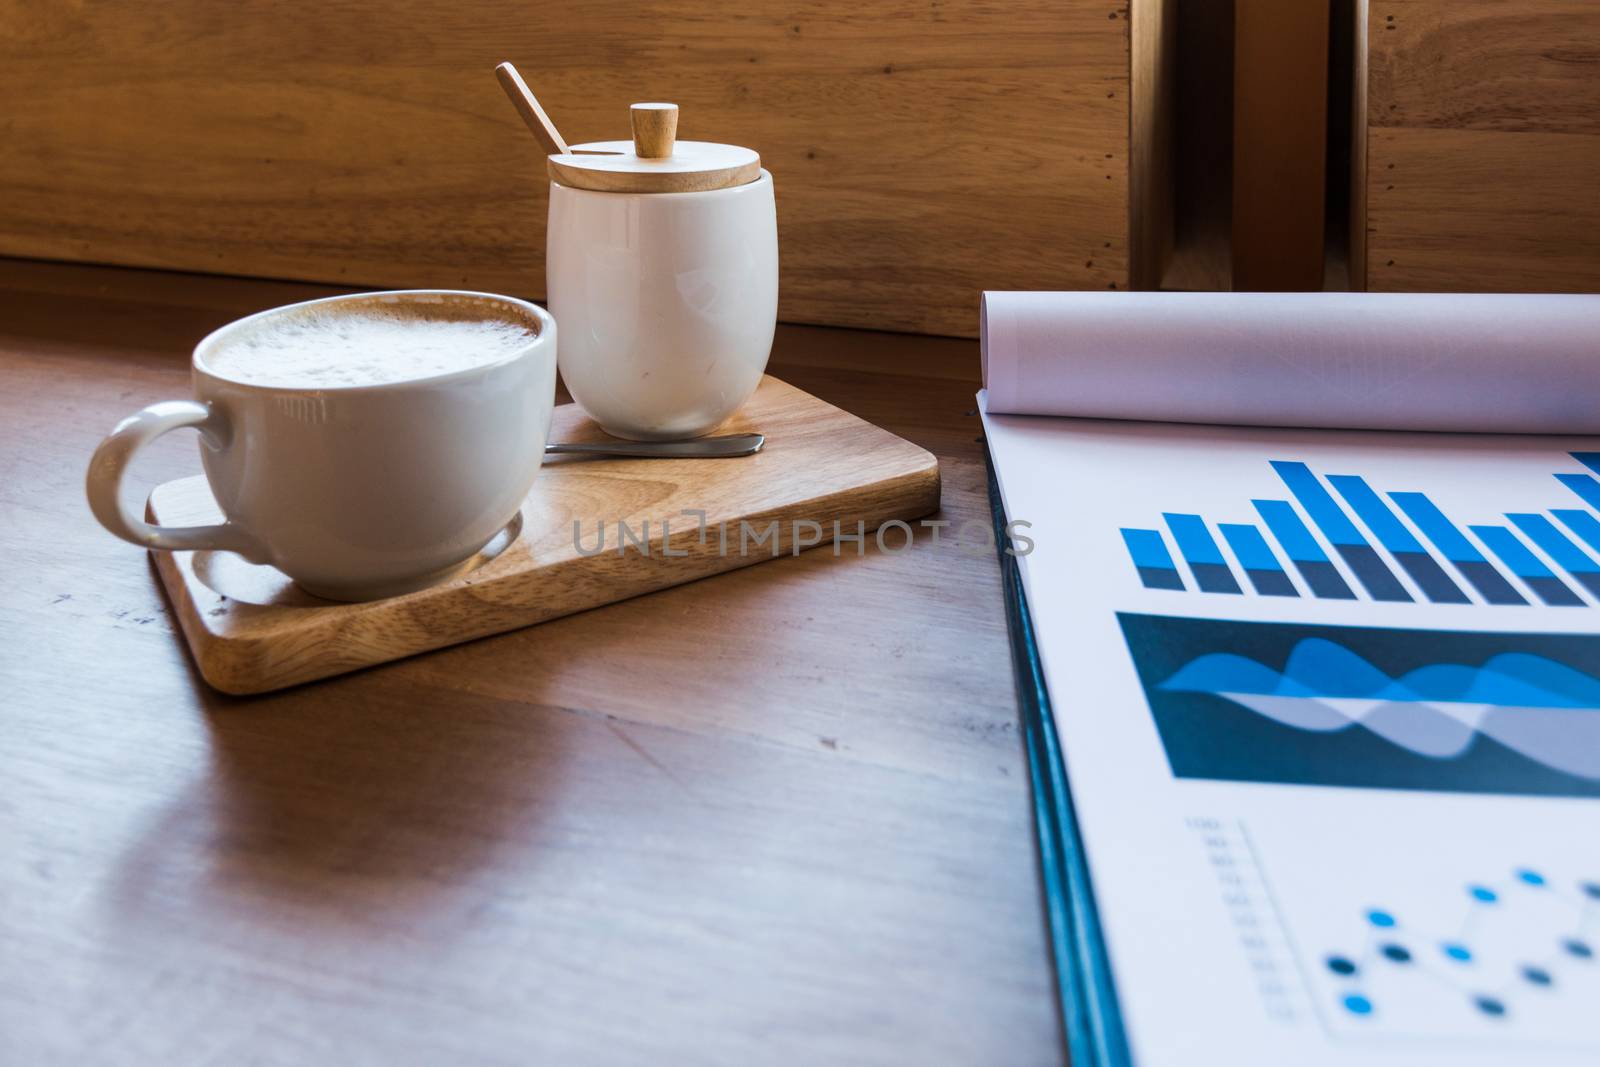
(357, 808)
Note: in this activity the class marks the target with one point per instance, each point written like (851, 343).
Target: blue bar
(1392, 533)
(1148, 549)
(1321, 506)
(1194, 540)
(1260, 565)
(1440, 530)
(1588, 459)
(1280, 517)
(1484, 576)
(1584, 486)
(1252, 549)
(1525, 565)
(1320, 575)
(1555, 544)
(1362, 559)
(1582, 523)
(1503, 543)
(1152, 560)
(1413, 558)
(1542, 532)
(1211, 571)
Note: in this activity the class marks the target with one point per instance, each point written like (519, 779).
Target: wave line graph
(1376, 707)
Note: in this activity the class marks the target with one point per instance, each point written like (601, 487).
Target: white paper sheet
(1480, 363)
(1335, 797)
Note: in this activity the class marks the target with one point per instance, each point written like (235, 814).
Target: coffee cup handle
(110, 461)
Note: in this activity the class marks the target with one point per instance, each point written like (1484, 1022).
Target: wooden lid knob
(658, 162)
(655, 127)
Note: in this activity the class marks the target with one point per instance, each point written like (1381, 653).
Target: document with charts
(1330, 710)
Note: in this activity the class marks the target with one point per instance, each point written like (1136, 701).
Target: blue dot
(1531, 877)
(1356, 1004)
(1489, 1006)
(1459, 953)
(1578, 948)
(1536, 975)
(1341, 965)
(1397, 953)
(1380, 918)
(1483, 893)
(1591, 890)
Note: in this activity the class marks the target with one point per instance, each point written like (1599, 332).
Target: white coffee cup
(354, 491)
(667, 303)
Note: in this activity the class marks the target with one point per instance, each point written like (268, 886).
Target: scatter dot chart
(1517, 948)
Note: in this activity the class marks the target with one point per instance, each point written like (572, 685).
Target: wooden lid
(654, 161)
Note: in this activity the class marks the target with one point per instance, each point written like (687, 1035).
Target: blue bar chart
(1381, 541)
(1211, 571)
(1407, 551)
(1154, 562)
(1256, 557)
(1527, 566)
(1362, 559)
(1462, 553)
(1555, 544)
(1582, 523)
(1304, 552)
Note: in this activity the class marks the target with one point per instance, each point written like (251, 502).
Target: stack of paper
(1317, 749)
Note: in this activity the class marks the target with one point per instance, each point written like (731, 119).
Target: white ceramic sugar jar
(662, 266)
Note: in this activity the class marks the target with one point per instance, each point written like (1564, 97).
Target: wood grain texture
(917, 145)
(777, 816)
(251, 630)
(1483, 146)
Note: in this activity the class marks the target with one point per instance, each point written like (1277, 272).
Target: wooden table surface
(778, 816)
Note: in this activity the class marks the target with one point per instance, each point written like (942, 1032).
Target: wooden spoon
(528, 107)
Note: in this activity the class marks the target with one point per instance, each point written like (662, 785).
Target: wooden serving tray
(251, 630)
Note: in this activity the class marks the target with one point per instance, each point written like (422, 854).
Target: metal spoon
(734, 444)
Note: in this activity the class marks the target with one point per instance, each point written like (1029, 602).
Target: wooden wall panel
(922, 149)
(1280, 141)
(1152, 184)
(1483, 145)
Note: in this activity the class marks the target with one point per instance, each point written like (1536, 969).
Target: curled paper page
(1498, 363)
